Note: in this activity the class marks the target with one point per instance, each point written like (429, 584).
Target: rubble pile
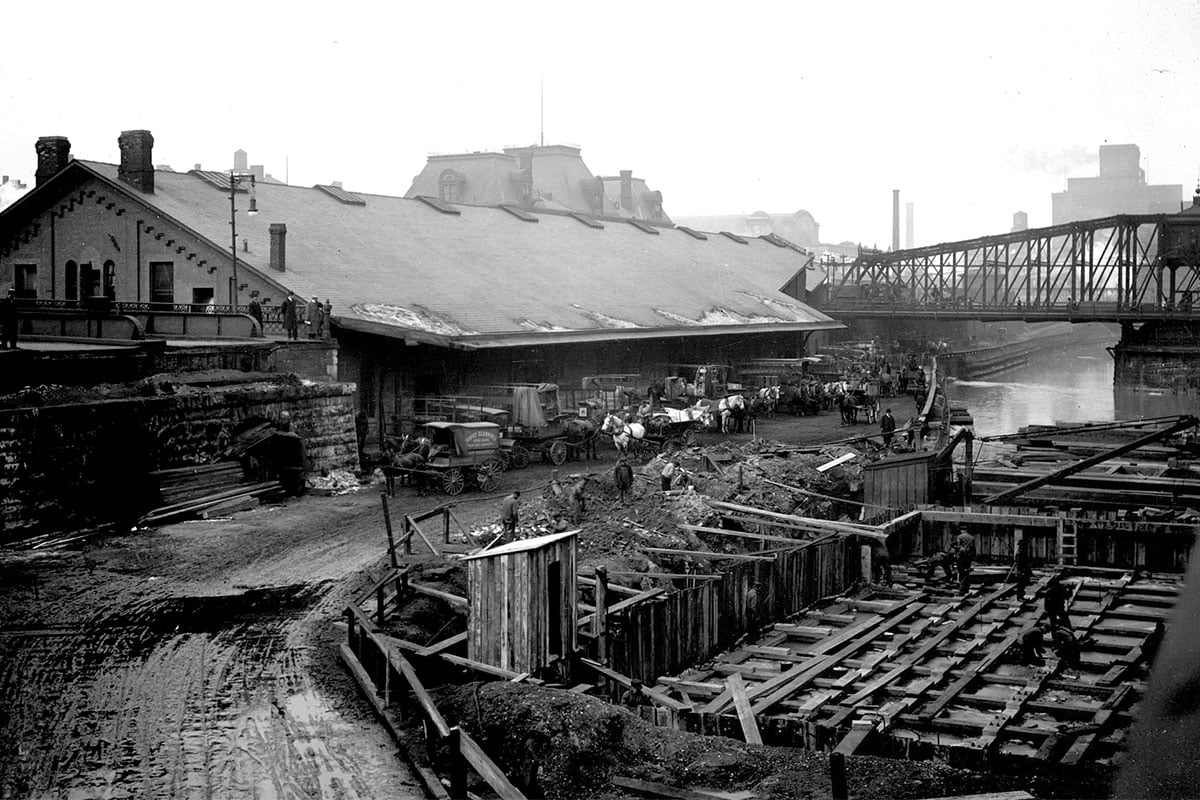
(335, 482)
(613, 532)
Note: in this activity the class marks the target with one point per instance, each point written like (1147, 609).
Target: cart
(462, 454)
(673, 429)
(537, 424)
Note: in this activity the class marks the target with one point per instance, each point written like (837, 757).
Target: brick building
(427, 297)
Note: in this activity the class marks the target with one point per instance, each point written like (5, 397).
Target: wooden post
(837, 776)
(600, 617)
(445, 526)
(865, 563)
(387, 520)
(458, 765)
(379, 604)
(408, 526)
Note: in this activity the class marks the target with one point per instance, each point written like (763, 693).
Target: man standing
(668, 473)
(254, 309)
(1021, 567)
(575, 500)
(508, 513)
(312, 318)
(752, 609)
(8, 320)
(623, 477)
(290, 318)
(1056, 603)
(966, 554)
(887, 426)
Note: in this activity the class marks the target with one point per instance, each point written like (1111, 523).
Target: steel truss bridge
(1126, 268)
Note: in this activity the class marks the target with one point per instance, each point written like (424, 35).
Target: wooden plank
(458, 601)
(662, 790)
(667, 551)
(760, 537)
(487, 769)
(445, 644)
(742, 703)
(640, 597)
(659, 697)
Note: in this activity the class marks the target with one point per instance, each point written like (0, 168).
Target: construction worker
(623, 477)
(942, 559)
(887, 427)
(1021, 568)
(1055, 602)
(509, 513)
(575, 499)
(635, 696)
(1031, 647)
(669, 470)
(1065, 645)
(966, 554)
(881, 563)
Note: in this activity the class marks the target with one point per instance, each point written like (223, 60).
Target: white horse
(769, 395)
(729, 409)
(622, 432)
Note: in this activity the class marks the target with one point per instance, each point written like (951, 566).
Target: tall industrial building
(1120, 188)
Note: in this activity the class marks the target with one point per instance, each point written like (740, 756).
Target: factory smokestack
(908, 226)
(895, 219)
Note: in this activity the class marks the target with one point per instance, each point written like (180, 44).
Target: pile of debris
(334, 482)
(614, 531)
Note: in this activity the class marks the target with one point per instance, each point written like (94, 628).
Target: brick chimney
(278, 246)
(627, 189)
(137, 168)
(53, 154)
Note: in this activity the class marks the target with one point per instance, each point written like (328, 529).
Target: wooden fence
(385, 676)
(669, 632)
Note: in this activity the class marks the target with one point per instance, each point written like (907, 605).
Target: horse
(409, 453)
(732, 412)
(622, 432)
(768, 397)
(582, 433)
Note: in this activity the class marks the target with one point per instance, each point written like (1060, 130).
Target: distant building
(1120, 188)
(799, 228)
(11, 190)
(553, 177)
(1020, 221)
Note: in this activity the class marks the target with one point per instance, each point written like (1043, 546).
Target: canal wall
(1158, 355)
(78, 464)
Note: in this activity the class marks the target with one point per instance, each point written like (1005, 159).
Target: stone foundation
(1158, 355)
(68, 466)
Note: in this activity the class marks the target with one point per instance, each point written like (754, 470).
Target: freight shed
(522, 603)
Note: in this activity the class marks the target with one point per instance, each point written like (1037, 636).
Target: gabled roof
(483, 277)
(521, 546)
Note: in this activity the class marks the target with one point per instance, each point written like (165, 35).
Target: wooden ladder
(1066, 543)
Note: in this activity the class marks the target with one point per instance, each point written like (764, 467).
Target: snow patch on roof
(604, 320)
(792, 310)
(677, 318)
(723, 316)
(541, 327)
(417, 318)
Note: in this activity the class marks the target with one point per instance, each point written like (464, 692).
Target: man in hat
(635, 696)
(887, 427)
(290, 316)
(669, 470)
(312, 317)
(623, 477)
(509, 513)
(8, 320)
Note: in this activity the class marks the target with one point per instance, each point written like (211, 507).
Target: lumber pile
(205, 491)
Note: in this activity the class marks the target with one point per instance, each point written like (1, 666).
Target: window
(450, 186)
(162, 282)
(25, 281)
(89, 281)
(202, 297)
(110, 280)
(72, 280)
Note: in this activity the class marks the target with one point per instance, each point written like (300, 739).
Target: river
(1064, 385)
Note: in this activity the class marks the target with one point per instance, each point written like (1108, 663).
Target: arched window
(110, 280)
(450, 186)
(72, 280)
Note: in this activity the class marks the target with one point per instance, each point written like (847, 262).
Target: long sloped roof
(484, 276)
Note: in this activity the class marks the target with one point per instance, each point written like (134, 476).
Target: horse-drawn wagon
(450, 456)
(536, 421)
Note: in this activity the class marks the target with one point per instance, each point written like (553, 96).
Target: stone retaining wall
(68, 466)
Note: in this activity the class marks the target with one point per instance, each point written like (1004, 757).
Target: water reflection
(1064, 385)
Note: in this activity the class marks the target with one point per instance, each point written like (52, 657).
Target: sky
(973, 111)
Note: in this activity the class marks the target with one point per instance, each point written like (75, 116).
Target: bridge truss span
(1128, 268)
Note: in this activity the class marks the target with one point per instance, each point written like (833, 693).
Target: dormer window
(450, 186)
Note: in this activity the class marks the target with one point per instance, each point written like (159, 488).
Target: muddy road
(199, 660)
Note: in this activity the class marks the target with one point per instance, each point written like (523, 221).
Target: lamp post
(235, 178)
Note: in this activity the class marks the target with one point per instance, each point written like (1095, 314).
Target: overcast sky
(725, 107)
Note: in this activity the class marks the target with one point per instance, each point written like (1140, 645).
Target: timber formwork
(920, 671)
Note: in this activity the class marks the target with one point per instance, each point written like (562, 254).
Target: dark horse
(582, 436)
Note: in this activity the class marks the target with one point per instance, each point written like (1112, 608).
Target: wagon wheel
(648, 451)
(557, 452)
(488, 474)
(689, 437)
(453, 481)
(505, 460)
(520, 457)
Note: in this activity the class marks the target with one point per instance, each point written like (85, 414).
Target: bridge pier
(1158, 355)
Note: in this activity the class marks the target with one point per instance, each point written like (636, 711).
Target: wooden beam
(445, 644)
(624, 604)
(742, 703)
(487, 769)
(1184, 422)
(662, 790)
(761, 537)
(667, 551)
(654, 694)
(458, 601)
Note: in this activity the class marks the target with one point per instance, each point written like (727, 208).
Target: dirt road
(199, 660)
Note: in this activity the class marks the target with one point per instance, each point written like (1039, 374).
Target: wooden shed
(522, 596)
(899, 482)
